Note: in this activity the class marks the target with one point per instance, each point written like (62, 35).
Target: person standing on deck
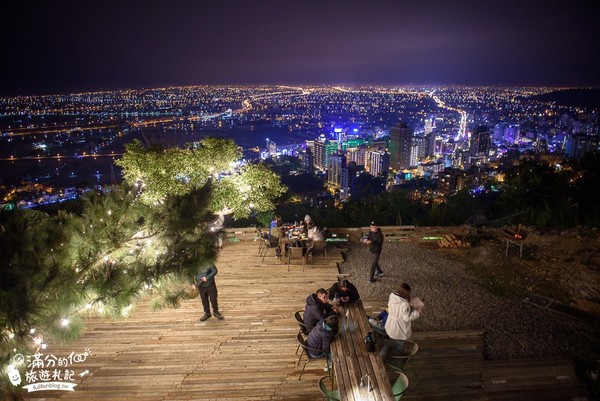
(207, 288)
(375, 241)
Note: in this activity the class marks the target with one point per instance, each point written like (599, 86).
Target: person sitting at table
(276, 218)
(273, 224)
(344, 292)
(321, 337)
(305, 222)
(378, 323)
(275, 235)
(317, 308)
(313, 234)
(401, 313)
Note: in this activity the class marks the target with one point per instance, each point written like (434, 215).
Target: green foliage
(69, 266)
(252, 187)
(456, 211)
(586, 180)
(554, 197)
(303, 183)
(264, 218)
(174, 171)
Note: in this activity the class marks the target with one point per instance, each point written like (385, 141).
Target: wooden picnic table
(360, 375)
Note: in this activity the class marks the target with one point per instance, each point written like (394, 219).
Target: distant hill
(588, 98)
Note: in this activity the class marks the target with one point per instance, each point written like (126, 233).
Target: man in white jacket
(400, 315)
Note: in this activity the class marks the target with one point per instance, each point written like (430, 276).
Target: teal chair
(400, 386)
(331, 395)
(397, 358)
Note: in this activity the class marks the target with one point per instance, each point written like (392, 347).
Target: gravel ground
(454, 300)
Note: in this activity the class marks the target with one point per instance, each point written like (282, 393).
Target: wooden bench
(360, 375)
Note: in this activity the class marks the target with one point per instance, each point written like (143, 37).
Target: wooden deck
(169, 355)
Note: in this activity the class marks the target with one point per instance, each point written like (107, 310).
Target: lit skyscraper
(336, 163)
(308, 161)
(357, 155)
(429, 126)
(380, 162)
(400, 146)
(324, 148)
(580, 144)
(479, 145)
(348, 179)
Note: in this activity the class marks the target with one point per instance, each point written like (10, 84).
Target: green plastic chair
(400, 386)
(396, 358)
(331, 395)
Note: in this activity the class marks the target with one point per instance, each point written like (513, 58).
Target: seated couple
(318, 307)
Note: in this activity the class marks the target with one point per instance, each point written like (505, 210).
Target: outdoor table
(360, 375)
(289, 244)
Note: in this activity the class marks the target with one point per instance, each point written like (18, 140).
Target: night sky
(63, 46)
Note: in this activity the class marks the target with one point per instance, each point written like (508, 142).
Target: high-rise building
(479, 145)
(512, 133)
(271, 147)
(336, 163)
(499, 132)
(580, 144)
(319, 156)
(401, 142)
(380, 162)
(450, 180)
(348, 180)
(429, 126)
(421, 144)
(357, 155)
(324, 148)
(506, 133)
(308, 161)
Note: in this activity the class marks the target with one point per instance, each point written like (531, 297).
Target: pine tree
(56, 270)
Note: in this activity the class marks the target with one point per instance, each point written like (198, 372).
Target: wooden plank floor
(169, 355)
(250, 355)
(549, 379)
(448, 365)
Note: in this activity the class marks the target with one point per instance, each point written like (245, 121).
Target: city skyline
(71, 46)
(336, 133)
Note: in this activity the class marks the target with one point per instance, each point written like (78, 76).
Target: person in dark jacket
(375, 241)
(343, 292)
(317, 308)
(321, 337)
(205, 283)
